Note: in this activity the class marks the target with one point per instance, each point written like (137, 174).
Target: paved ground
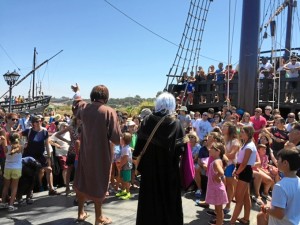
(59, 210)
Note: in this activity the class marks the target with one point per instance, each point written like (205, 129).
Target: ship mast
(287, 52)
(33, 73)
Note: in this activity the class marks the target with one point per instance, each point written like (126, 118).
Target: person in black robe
(160, 187)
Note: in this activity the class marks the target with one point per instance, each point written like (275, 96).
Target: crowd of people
(218, 77)
(229, 151)
(234, 151)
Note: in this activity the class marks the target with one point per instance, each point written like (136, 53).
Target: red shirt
(259, 123)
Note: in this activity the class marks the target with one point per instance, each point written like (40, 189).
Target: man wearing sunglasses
(292, 71)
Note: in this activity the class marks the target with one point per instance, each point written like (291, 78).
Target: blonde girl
(12, 169)
(216, 191)
(229, 131)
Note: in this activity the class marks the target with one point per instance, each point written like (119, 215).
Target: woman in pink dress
(216, 191)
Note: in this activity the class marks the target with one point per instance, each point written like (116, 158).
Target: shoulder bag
(138, 159)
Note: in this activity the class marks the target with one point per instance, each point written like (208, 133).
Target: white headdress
(165, 102)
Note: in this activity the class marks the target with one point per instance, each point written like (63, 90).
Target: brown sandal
(79, 220)
(243, 221)
(105, 220)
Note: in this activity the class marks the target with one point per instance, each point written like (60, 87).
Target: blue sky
(102, 46)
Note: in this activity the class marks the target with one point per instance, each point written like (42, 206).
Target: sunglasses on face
(13, 119)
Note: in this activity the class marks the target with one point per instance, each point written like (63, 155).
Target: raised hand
(75, 87)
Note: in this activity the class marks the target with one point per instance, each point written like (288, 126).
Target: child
(12, 169)
(216, 191)
(268, 169)
(115, 178)
(284, 208)
(125, 166)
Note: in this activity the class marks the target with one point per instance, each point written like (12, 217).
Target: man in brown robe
(100, 129)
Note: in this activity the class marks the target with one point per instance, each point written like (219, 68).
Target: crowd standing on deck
(216, 82)
(226, 153)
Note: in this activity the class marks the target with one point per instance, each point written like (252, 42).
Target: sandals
(257, 200)
(105, 220)
(243, 221)
(79, 220)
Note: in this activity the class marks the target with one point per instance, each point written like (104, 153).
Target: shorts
(42, 160)
(70, 158)
(246, 175)
(126, 175)
(12, 174)
(39, 158)
(229, 170)
(62, 162)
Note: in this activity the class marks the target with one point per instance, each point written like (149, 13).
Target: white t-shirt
(202, 128)
(252, 158)
(13, 161)
(267, 66)
(25, 123)
(288, 126)
(286, 195)
(292, 73)
(229, 145)
(249, 124)
(63, 151)
(185, 120)
(126, 150)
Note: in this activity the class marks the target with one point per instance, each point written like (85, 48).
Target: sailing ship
(36, 102)
(245, 89)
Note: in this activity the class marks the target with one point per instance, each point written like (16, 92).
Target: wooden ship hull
(37, 105)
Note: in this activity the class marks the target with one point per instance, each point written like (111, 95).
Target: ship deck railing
(27, 105)
(277, 92)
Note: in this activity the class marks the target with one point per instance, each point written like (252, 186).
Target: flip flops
(79, 220)
(105, 220)
(243, 221)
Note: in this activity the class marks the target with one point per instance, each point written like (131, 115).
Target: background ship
(36, 102)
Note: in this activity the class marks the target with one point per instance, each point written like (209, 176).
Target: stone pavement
(59, 210)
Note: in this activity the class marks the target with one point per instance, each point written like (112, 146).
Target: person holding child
(125, 166)
(12, 170)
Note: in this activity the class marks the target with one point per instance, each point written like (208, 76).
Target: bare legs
(220, 214)
(99, 218)
(49, 177)
(198, 177)
(242, 197)
(68, 177)
(13, 185)
(230, 188)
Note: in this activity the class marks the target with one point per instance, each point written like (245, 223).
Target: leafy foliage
(130, 105)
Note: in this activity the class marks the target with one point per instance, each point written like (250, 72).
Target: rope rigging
(187, 56)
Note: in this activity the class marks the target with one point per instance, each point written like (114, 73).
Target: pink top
(216, 191)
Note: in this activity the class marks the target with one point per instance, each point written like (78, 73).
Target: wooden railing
(215, 92)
